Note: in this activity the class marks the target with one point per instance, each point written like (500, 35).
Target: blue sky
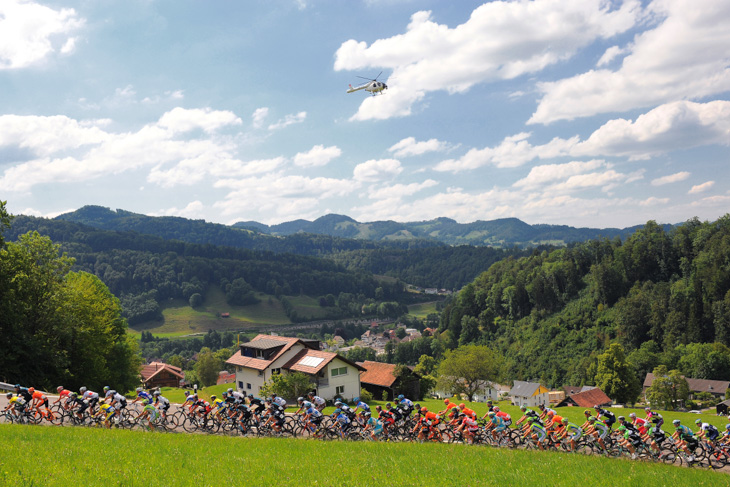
(580, 112)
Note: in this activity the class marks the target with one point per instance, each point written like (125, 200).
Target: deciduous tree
(469, 368)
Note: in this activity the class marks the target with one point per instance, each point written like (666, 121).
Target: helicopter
(373, 86)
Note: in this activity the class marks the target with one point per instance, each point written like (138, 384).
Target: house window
(261, 372)
(248, 386)
(276, 371)
(339, 390)
(240, 384)
(339, 371)
(259, 353)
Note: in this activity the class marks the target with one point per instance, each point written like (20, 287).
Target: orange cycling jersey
(469, 412)
(39, 395)
(557, 420)
(432, 418)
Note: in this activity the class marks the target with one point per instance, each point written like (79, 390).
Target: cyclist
(237, 396)
(405, 404)
(450, 409)
(343, 421)
(361, 406)
(342, 406)
(108, 411)
(16, 403)
(118, 401)
(496, 424)
(629, 439)
(656, 438)
(318, 402)
(395, 413)
(162, 403)
(24, 393)
(538, 432)
(707, 430)
(467, 411)
(684, 438)
(544, 413)
(502, 414)
(150, 413)
(189, 399)
(553, 421)
(243, 416)
(142, 395)
(654, 417)
(275, 414)
(303, 405)
(598, 429)
(63, 395)
(610, 417)
(373, 425)
(427, 424)
(312, 417)
(39, 399)
(571, 429)
(278, 400)
(641, 425)
(257, 406)
(527, 413)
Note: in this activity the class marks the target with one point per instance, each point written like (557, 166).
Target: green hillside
(61, 456)
(663, 295)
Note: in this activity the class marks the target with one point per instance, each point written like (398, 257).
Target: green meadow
(69, 456)
(422, 310)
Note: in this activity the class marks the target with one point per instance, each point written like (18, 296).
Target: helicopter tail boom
(356, 88)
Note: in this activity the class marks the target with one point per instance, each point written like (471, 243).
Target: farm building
(331, 374)
(378, 378)
(587, 399)
(529, 394)
(717, 388)
(160, 374)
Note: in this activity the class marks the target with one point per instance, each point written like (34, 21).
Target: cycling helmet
(424, 410)
(523, 408)
(676, 422)
(31, 390)
(531, 420)
(495, 409)
(311, 394)
(250, 396)
(388, 405)
(366, 414)
(542, 407)
(551, 414)
(106, 388)
(647, 409)
(565, 420)
(492, 414)
(446, 401)
(622, 418)
(401, 396)
(378, 408)
(592, 419)
(146, 402)
(82, 390)
(356, 400)
(139, 389)
(462, 405)
(187, 393)
(338, 403)
(596, 407)
(213, 397)
(17, 386)
(74, 395)
(9, 395)
(489, 401)
(230, 390)
(59, 388)
(417, 406)
(224, 393)
(587, 412)
(622, 428)
(632, 415)
(698, 421)
(157, 393)
(300, 399)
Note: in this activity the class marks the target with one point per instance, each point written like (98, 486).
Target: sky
(592, 113)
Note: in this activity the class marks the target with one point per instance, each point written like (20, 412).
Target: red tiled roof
(588, 399)
(154, 368)
(377, 373)
(295, 365)
(226, 378)
(257, 363)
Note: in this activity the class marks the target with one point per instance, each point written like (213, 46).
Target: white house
(331, 374)
(529, 394)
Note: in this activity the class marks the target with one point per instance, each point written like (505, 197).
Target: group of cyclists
(542, 427)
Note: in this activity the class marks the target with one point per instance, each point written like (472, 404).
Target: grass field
(422, 310)
(180, 319)
(67, 456)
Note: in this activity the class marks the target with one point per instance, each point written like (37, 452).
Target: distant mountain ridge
(500, 232)
(503, 232)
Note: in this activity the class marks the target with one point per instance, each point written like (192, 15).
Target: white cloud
(671, 178)
(700, 188)
(377, 170)
(31, 32)
(548, 173)
(673, 126)
(410, 147)
(501, 40)
(685, 56)
(193, 210)
(398, 191)
(41, 214)
(652, 201)
(611, 53)
(64, 150)
(318, 155)
(258, 117)
(288, 120)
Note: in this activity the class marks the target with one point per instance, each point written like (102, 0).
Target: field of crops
(67, 456)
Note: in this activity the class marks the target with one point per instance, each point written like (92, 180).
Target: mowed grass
(180, 319)
(69, 455)
(422, 310)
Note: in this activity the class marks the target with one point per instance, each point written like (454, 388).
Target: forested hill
(202, 232)
(505, 232)
(664, 296)
(145, 270)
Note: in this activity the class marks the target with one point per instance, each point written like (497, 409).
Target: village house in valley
(160, 374)
(529, 394)
(331, 374)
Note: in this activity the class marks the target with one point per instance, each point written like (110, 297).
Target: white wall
(351, 381)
